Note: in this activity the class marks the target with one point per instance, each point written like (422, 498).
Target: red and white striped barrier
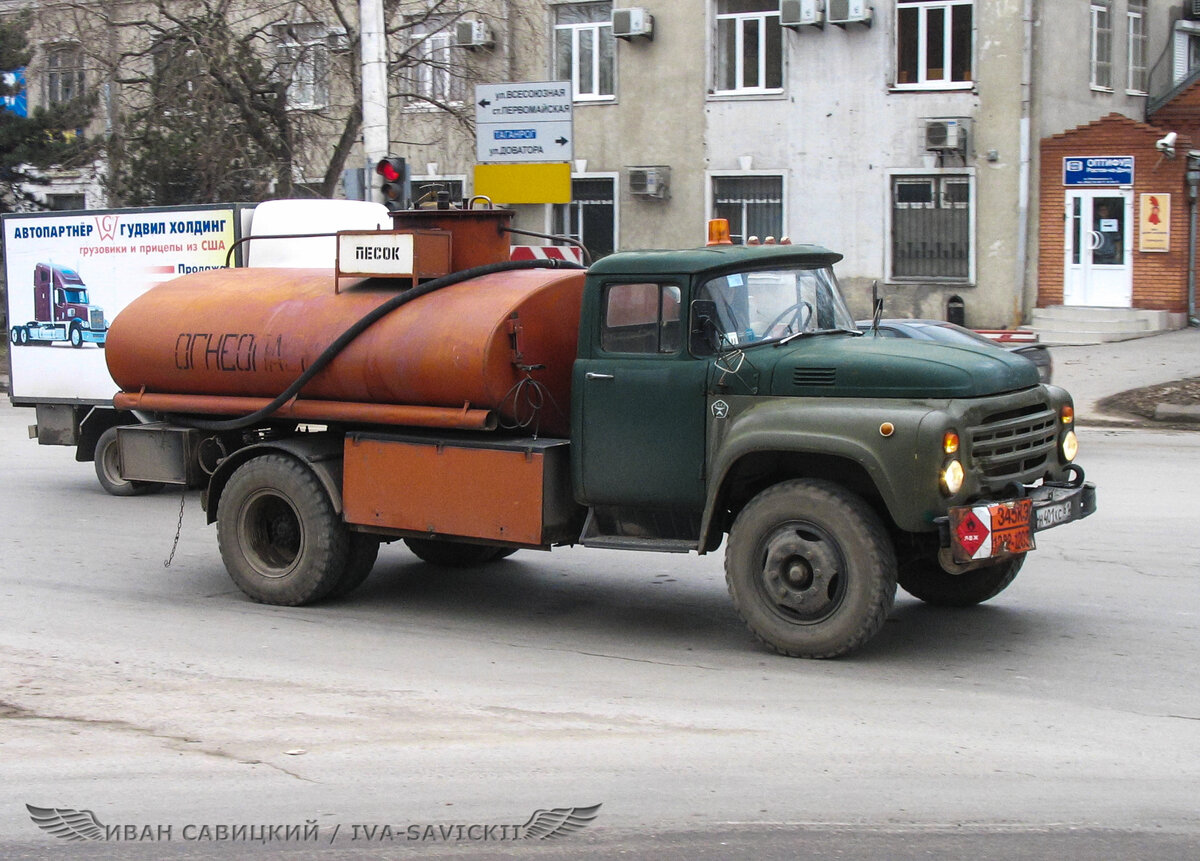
(547, 252)
(1010, 336)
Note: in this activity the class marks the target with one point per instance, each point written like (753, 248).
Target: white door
(1099, 249)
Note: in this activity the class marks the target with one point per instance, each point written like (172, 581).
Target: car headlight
(952, 477)
(1070, 446)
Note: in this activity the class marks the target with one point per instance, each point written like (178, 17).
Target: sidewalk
(1096, 371)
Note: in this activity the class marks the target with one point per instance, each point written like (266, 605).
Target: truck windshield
(78, 297)
(770, 304)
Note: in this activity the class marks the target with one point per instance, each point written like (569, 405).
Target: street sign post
(524, 123)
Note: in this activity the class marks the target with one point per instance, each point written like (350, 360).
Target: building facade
(904, 134)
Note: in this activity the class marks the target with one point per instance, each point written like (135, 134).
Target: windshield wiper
(806, 333)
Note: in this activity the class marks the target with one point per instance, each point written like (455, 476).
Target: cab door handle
(591, 375)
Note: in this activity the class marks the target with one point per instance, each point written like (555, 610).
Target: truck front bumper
(989, 529)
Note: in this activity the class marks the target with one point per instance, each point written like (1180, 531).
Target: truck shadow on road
(534, 595)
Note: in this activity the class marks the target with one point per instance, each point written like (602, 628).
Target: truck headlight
(952, 477)
(1070, 446)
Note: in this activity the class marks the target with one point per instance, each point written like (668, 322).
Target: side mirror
(704, 338)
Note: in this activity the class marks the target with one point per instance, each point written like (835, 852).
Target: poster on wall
(70, 274)
(1154, 220)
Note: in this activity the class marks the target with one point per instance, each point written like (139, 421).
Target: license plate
(1052, 515)
(998, 529)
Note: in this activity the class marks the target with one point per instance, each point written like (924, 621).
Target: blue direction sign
(1111, 170)
(530, 122)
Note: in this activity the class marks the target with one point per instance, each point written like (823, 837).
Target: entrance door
(1098, 268)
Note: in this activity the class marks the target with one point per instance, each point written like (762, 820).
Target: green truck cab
(727, 391)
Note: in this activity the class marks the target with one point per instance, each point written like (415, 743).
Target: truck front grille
(97, 319)
(1015, 445)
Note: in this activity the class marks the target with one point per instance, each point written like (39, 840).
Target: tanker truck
(424, 388)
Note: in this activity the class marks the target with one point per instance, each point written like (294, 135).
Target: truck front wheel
(76, 335)
(811, 569)
(280, 537)
(108, 469)
(925, 579)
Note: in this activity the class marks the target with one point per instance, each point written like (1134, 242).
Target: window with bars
(1137, 78)
(1101, 47)
(64, 73)
(931, 227)
(753, 205)
(748, 48)
(933, 43)
(425, 189)
(584, 50)
(303, 54)
(591, 216)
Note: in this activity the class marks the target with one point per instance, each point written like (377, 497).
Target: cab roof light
(718, 232)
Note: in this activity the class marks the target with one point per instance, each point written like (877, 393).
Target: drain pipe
(1026, 133)
(1192, 177)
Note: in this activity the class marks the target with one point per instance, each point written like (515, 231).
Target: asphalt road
(1060, 720)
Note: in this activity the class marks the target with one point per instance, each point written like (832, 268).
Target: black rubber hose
(361, 326)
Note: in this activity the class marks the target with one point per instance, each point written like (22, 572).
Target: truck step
(660, 530)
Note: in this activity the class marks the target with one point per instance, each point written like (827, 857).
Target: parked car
(949, 333)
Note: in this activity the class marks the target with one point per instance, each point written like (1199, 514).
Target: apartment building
(904, 134)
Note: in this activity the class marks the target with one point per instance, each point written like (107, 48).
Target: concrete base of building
(1076, 325)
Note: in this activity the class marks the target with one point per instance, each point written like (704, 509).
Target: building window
(933, 43)
(584, 49)
(1101, 47)
(436, 79)
(303, 55)
(1186, 51)
(753, 205)
(641, 318)
(1136, 20)
(931, 226)
(591, 216)
(749, 48)
(425, 189)
(64, 73)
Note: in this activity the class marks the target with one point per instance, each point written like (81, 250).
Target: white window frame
(613, 177)
(923, 9)
(709, 175)
(596, 28)
(307, 61)
(890, 175)
(739, 52)
(1185, 38)
(1137, 71)
(1100, 16)
(432, 77)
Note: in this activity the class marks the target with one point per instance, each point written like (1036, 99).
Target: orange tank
(249, 333)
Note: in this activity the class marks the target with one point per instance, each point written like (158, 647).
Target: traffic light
(393, 170)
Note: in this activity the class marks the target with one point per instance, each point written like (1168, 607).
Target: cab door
(640, 419)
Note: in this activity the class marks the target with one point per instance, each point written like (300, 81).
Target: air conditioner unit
(945, 135)
(473, 34)
(799, 13)
(628, 23)
(1191, 9)
(651, 181)
(843, 12)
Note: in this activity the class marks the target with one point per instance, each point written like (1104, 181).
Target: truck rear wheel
(456, 554)
(108, 469)
(14, 335)
(364, 550)
(811, 569)
(22, 335)
(925, 579)
(280, 537)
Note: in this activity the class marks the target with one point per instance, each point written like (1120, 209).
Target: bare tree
(220, 100)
